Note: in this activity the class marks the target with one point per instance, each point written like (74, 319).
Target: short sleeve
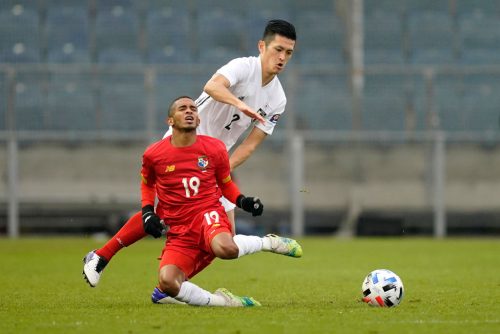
(236, 70)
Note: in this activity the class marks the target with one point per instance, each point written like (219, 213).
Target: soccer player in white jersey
(243, 92)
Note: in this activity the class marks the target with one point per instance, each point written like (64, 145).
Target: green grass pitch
(452, 286)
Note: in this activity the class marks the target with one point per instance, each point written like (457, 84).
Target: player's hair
(171, 108)
(278, 27)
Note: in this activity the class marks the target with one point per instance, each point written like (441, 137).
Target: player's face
(276, 54)
(185, 115)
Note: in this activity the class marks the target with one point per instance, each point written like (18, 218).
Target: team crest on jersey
(275, 118)
(203, 162)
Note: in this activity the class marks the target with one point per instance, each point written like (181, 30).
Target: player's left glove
(250, 204)
(152, 223)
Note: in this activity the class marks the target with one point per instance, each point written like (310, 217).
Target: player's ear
(261, 45)
(170, 121)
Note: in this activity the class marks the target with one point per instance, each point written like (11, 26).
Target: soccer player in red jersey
(188, 172)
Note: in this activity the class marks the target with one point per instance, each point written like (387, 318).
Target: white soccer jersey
(227, 123)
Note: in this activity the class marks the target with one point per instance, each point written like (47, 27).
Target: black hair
(279, 27)
(170, 109)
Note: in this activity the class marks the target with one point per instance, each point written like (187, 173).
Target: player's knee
(168, 285)
(227, 251)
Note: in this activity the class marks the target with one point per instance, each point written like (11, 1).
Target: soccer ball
(382, 288)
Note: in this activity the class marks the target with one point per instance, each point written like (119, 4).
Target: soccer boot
(285, 246)
(159, 297)
(236, 301)
(93, 265)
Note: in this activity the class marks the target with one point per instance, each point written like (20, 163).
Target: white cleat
(236, 301)
(93, 265)
(284, 246)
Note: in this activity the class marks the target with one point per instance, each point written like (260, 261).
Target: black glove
(151, 222)
(250, 204)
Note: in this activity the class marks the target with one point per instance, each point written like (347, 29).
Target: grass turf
(452, 286)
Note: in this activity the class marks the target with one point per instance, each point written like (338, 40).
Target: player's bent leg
(223, 246)
(93, 265)
(280, 245)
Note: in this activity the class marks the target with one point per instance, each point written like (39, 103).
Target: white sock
(194, 295)
(248, 244)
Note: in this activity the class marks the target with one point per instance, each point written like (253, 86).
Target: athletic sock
(131, 232)
(248, 244)
(194, 295)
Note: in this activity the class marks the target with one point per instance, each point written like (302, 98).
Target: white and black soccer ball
(382, 288)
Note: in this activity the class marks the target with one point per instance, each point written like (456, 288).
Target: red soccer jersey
(185, 177)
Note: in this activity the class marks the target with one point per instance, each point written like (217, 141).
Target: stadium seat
(394, 7)
(383, 40)
(67, 35)
(3, 100)
(387, 102)
(480, 39)
(324, 103)
(170, 86)
(481, 102)
(431, 38)
(122, 102)
(481, 7)
(322, 43)
(19, 35)
(169, 37)
(30, 102)
(259, 12)
(71, 102)
(221, 36)
(448, 102)
(117, 36)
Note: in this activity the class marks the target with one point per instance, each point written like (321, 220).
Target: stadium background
(391, 126)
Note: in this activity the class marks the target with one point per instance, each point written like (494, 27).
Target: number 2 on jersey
(236, 117)
(191, 187)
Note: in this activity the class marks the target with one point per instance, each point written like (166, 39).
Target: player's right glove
(151, 222)
(250, 204)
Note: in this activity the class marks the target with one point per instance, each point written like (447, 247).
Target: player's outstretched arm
(218, 88)
(247, 147)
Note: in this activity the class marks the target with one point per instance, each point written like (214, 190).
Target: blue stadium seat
(383, 40)
(170, 86)
(393, 7)
(427, 6)
(169, 37)
(259, 13)
(122, 102)
(71, 103)
(67, 34)
(480, 39)
(481, 7)
(321, 43)
(19, 35)
(387, 101)
(431, 38)
(221, 36)
(448, 102)
(481, 102)
(117, 36)
(324, 103)
(3, 100)
(30, 101)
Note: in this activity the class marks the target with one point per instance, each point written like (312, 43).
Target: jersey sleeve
(223, 176)
(148, 181)
(272, 119)
(235, 71)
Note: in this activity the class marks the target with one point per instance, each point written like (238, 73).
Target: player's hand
(151, 222)
(250, 204)
(252, 114)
